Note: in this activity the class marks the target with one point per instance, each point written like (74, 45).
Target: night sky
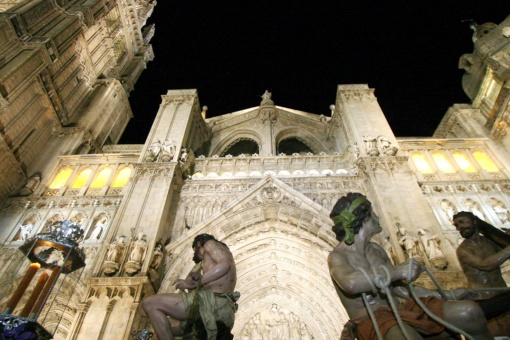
(232, 51)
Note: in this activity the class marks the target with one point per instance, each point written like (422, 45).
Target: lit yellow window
(122, 178)
(442, 163)
(463, 162)
(485, 162)
(101, 178)
(82, 178)
(61, 178)
(421, 163)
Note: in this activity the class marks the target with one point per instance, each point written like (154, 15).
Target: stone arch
(236, 137)
(281, 255)
(303, 137)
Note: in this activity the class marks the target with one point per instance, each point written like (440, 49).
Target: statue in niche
(433, 250)
(409, 244)
(449, 210)
(139, 249)
(355, 151)
(168, 149)
(113, 256)
(388, 247)
(26, 228)
(187, 162)
(387, 148)
(474, 208)
(184, 155)
(115, 250)
(154, 151)
(157, 257)
(371, 145)
(98, 228)
(501, 211)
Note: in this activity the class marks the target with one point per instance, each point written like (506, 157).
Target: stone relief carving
(275, 323)
(359, 95)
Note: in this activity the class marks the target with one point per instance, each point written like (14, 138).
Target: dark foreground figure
(356, 262)
(210, 297)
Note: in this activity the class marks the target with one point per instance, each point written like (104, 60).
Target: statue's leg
(158, 307)
(468, 316)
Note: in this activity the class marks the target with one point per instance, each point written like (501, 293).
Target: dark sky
(232, 51)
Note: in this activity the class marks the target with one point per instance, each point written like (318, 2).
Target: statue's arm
(486, 263)
(354, 281)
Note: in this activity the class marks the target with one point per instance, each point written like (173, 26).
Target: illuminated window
(101, 178)
(122, 178)
(463, 162)
(442, 163)
(485, 162)
(61, 178)
(82, 178)
(421, 163)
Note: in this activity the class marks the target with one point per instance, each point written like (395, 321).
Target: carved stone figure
(410, 244)
(25, 230)
(139, 249)
(184, 155)
(433, 250)
(157, 257)
(386, 147)
(168, 149)
(153, 152)
(98, 229)
(371, 145)
(115, 250)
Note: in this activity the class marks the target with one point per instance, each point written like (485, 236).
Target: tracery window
(122, 178)
(101, 178)
(61, 178)
(463, 162)
(485, 161)
(442, 163)
(421, 163)
(82, 179)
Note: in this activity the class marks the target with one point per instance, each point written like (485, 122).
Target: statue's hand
(185, 284)
(410, 270)
(463, 294)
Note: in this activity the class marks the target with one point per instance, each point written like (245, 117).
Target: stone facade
(263, 180)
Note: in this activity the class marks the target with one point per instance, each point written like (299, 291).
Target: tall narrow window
(61, 178)
(122, 178)
(82, 179)
(421, 163)
(463, 162)
(101, 178)
(442, 163)
(485, 162)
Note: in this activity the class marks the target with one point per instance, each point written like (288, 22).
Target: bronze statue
(210, 297)
(356, 266)
(480, 258)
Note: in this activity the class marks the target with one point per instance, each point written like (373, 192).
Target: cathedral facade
(263, 180)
